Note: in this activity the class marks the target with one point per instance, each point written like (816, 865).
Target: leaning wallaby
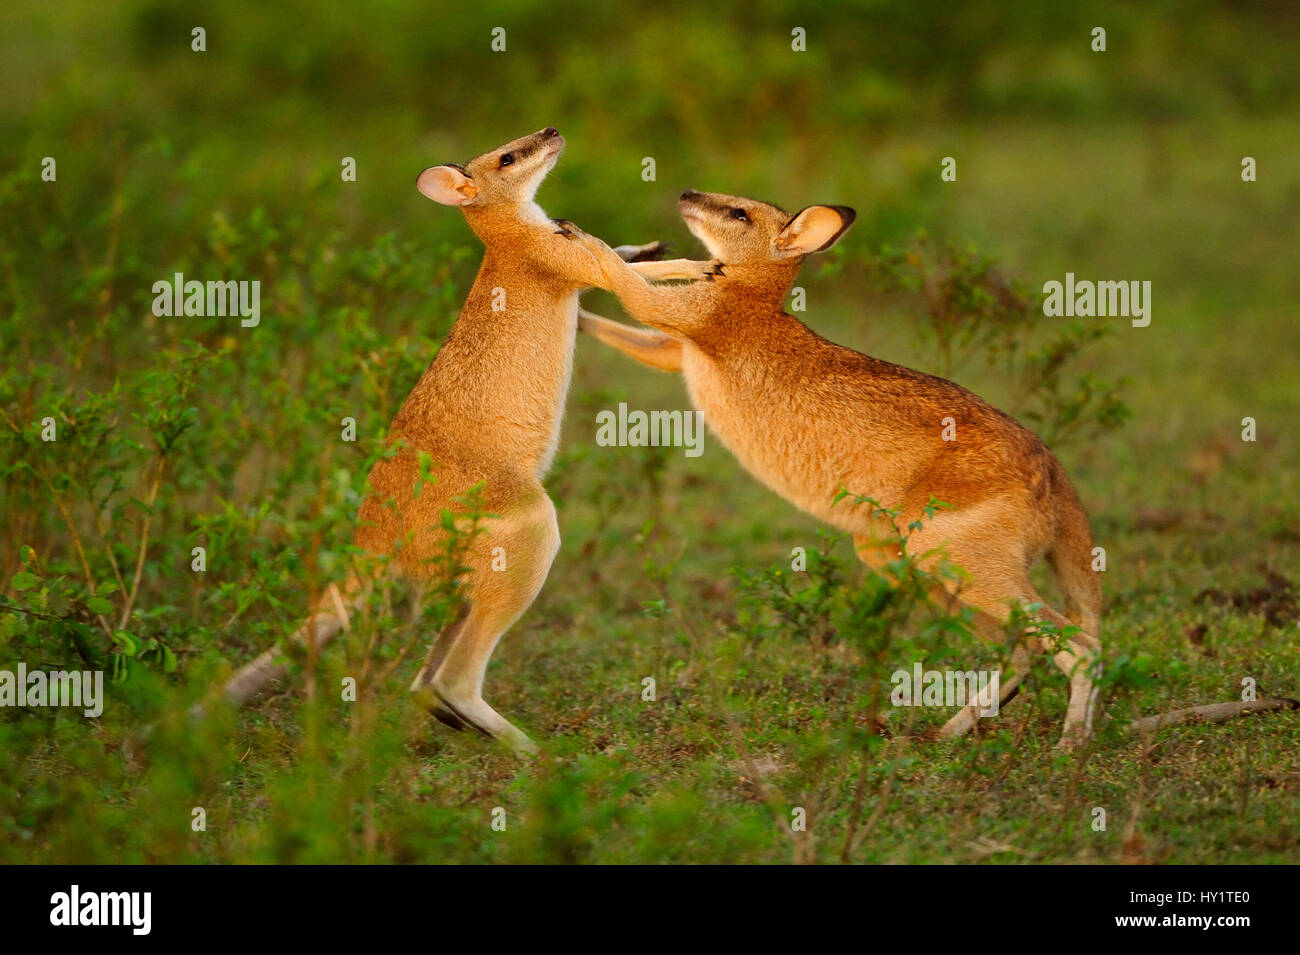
(486, 413)
(810, 418)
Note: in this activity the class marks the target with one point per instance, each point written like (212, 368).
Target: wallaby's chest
(498, 384)
(779, 433)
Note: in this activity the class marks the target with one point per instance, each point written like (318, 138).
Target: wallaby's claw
(711, 270)
(566, 228)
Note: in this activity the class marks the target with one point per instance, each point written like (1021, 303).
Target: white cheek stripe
(694, 230)
(542, 172)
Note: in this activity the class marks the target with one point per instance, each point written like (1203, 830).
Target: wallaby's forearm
(671, 308)
(669, 269)
(650, 348)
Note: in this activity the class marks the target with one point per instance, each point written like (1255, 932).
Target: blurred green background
(1123, 164)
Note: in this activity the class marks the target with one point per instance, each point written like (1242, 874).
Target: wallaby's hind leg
(876, 554)
(1076, 662)
(528, 538)
(437, 653)
(972, 541)
(1008, 680)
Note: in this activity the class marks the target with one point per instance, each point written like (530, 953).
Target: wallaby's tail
(1071, 558)
(328, 618)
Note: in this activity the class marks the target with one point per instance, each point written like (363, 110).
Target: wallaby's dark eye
(507, 159)
(739, 214)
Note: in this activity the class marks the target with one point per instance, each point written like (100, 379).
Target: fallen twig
(1212, 713)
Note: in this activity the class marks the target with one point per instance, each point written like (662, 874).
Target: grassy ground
(752, 719)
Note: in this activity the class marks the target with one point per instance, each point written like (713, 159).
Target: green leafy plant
(972, 311)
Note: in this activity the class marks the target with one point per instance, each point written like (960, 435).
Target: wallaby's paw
(697, 270)
(707, 270)
(584, 239)
(567, 229)
(650, 252)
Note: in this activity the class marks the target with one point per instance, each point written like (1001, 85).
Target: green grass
(1122, 166)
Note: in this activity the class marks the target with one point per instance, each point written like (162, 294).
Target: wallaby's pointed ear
(449, 185)
(815, 229)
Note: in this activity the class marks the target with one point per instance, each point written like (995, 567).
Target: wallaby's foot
(1079, 716)
(961, 723)
(522, 744)
(476, 713)
(432, 704)
(473, 713)
(650, 252)
(1072, 738)
(1080, 665)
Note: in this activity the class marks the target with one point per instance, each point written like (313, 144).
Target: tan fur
(487, 414)
(487, 411)
(808, 418)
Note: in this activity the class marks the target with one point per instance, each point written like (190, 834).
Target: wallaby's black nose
(689, 194)
(550, 131)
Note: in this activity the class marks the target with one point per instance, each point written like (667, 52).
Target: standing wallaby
(810, 418)
(486, 413)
